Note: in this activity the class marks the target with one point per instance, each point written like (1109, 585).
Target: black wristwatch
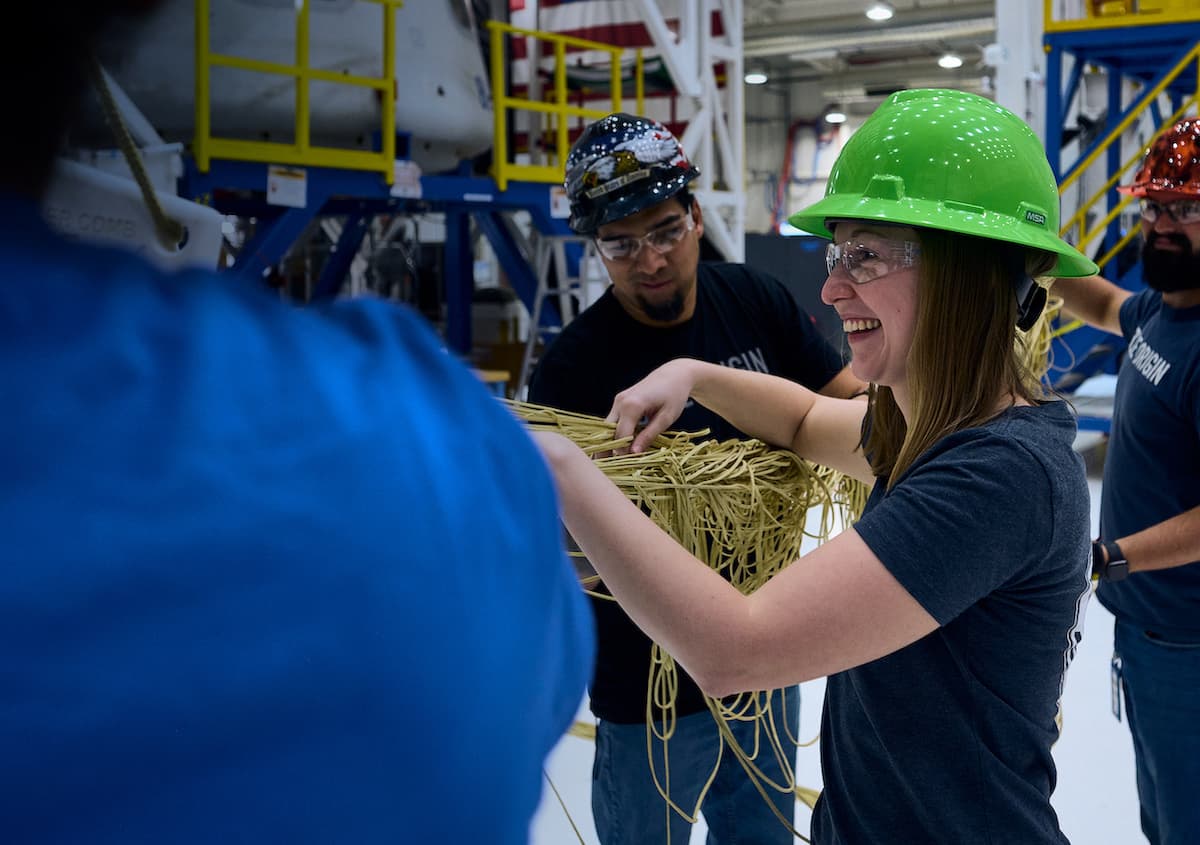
(1108, 561)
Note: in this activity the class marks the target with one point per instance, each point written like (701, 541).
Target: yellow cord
(742, 507)
(170, 232)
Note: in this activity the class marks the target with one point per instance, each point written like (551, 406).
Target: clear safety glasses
(867, 262)
(662, 241)
(1183, 212)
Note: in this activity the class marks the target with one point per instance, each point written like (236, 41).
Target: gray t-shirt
(948, 739)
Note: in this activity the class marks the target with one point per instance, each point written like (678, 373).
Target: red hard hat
(1172, 165)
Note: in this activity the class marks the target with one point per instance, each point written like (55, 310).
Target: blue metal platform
(1145, 54)
(240, 188)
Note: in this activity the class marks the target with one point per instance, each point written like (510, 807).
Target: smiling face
(880, 316)
(658, 289)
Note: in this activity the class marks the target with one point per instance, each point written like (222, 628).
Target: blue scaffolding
(1148, 50)
(239, 188)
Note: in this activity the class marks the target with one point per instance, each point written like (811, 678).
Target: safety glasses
(661, 240)
(1183, 212)
(867, 262)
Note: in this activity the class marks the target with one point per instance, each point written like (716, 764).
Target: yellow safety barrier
(301, 152)
(557, 107)
(1111, 14)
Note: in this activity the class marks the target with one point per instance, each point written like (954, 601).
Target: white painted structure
(443, 97)
(714, 113)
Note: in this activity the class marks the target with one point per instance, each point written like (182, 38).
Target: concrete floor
(1096, 798)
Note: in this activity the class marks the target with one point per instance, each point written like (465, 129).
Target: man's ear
(698, 216)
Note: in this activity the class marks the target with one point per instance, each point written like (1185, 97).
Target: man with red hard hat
(1147, 559)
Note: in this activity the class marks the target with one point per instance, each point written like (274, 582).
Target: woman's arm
(772, 409)
(833, 609)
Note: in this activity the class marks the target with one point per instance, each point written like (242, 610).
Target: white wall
(770, 110)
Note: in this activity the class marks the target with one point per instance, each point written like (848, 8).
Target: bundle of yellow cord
(742, 507)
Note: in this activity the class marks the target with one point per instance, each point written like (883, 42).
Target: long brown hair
(966, 352)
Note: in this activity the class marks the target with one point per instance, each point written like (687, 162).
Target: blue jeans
(628, 809)
(1160, 677)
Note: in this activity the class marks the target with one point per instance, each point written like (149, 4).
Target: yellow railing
(1110, 14)
(301, 151)
(1078, 220)
(556, 106)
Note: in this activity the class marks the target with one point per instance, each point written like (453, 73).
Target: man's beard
(663, 312)
(1168, 271)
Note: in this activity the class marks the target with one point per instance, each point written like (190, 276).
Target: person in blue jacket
(946, 616)
(270, 574)
(1147, 558)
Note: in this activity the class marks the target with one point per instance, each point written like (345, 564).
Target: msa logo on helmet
(1036, 218)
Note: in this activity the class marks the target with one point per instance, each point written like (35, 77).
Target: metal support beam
(459, 278)
(333, 274)
(239, 188)
(518, 269)
(1113, 160)
(1056, 110)
(270, 243)
(714, 138)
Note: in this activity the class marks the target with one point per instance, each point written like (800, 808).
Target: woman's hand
(649, 407)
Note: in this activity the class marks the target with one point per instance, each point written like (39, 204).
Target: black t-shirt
(743, 319)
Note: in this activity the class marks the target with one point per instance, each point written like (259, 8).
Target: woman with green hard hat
(946, 616)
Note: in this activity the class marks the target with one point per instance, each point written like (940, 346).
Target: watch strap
(1108, 561)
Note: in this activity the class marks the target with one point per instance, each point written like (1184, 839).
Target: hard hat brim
(933, 214)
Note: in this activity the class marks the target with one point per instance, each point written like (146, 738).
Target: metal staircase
(1148, 53)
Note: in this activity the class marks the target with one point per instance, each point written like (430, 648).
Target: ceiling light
(880, 11)
(835, 115)
(755, 77)
(950, 61)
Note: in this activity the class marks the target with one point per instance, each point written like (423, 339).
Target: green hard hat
(948, 160)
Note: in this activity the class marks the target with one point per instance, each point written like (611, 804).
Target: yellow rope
(1039, 344)
(563, 804)
(170, 231)
(583, 730)
(1035, 345)
(742, 507)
